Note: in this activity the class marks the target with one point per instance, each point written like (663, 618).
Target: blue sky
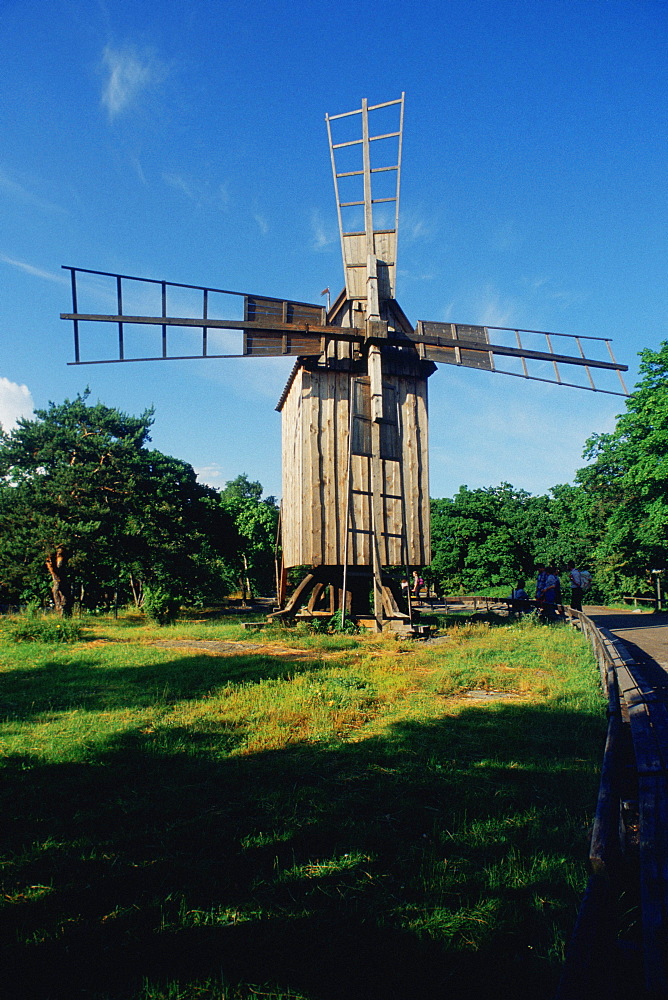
(187, 142)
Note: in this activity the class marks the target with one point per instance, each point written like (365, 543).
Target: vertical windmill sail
(367, 170)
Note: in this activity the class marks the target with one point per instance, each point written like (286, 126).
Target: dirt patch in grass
(221, 648)
(482, 695)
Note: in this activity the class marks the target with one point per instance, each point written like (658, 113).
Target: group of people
(548, 589)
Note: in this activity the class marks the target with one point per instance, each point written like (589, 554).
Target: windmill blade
(471, 347)
(365, 152)
(260, 326)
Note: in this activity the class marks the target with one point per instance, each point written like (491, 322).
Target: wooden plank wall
(292, 454)
(315, 419)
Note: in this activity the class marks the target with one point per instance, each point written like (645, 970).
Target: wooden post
(346, 528)
(376, 524)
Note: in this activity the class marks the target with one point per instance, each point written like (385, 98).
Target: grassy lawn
(303, 816)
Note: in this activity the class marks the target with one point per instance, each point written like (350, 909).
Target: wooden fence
(629, 844)
(657, 601)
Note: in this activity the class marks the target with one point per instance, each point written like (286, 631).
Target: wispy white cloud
(36, 272)
(139, 170)
(201, 193)
(179, 183)
(323, 235)
(544, 287)
(20, 191)
(415, 227)
(487, 307)
(212, 475)
(504, 236)
(486, 429)
(492, 309)
(15, 402)
(128, 73)
(403, 272)
(262, 223)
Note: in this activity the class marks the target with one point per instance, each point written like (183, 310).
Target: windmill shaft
(220, 324)
(340, 333)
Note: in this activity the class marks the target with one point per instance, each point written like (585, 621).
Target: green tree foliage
(570, 529)
(496, 536)
(486, 537)
(613, 521)
(86, 506)
(256, 522)
(627, 482)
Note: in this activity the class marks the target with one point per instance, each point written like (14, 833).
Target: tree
(256, 522)
(485, 537)
(573, 529)
(627, 481)
(613, 521)
(82, 497)
(242, 488)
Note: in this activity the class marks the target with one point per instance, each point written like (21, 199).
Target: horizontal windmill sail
(472, 347)
(186, 321)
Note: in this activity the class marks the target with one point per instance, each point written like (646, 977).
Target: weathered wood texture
(316, 419)
(635, 771)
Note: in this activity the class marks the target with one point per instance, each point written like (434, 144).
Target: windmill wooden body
(354, 411)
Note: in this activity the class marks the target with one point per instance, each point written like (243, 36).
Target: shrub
(33, 627)
(336, 624)
(160, 606)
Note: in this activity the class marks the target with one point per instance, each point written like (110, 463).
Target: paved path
(645, 634)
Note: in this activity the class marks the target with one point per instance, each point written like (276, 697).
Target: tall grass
(338, 821)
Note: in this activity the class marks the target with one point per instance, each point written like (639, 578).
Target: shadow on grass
(447, 620)
(86, 685)
(361, 870)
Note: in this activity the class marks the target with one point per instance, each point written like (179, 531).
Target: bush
(33, 627)
(160, 606)
(347, 625)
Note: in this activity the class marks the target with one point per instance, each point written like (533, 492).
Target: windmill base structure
(354, 412)
(356, 489)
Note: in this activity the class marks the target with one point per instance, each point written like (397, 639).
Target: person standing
(551, 594)
(575, 578)
(519, 598)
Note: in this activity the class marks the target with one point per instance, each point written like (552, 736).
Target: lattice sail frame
(268, 327)
(471, 347)
(371, 239)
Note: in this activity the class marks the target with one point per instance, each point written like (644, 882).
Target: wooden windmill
(354, 411)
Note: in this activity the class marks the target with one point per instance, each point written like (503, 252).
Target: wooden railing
(629, 844)
(656, 601)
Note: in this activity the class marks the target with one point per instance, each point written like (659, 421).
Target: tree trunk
(56, 563)
(247, 589)
(137, 591)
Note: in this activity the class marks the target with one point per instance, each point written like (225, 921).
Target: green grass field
(318, 817)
